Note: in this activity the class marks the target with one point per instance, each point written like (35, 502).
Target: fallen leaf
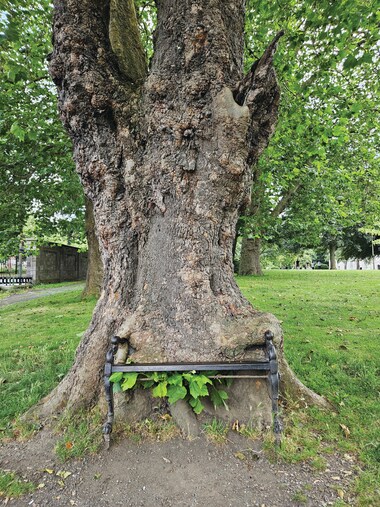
(340, 493)
(236, 426)
(346, 431)
(49, 471)
(240, 455)
(61, 483)
(63, 474)
(41, 485)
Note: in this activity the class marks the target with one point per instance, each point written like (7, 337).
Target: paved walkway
(38, 293)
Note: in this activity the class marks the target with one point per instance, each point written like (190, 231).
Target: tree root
(293, 389)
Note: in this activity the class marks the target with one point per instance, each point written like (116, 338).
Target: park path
(38, 293)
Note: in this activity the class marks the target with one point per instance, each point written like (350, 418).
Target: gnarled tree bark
(165, 158)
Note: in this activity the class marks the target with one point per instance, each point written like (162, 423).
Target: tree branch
(92, 63)
(283, 202)
(98, 83)
(125, 40)
(259, 91)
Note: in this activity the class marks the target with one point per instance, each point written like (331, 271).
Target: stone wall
(57, 264)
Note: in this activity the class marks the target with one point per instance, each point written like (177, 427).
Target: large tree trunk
(332, 252)
(165, 158)
(250, 257)
(94, 276)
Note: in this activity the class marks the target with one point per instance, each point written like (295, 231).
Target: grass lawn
(331, 323)
(37, 344)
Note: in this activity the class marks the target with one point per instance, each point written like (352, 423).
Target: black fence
(16, 280)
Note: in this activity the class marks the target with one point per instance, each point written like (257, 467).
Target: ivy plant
(190, 386)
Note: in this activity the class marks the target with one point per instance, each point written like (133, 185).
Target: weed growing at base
(216, 431)
(79, 434)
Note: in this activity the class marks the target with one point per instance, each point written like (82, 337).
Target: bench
(269, 366)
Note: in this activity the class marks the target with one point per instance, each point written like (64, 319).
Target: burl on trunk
(165, 156)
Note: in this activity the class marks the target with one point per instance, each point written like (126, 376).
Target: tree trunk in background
(250, 257)
(332, 251)
(165, 158)
(94, 277)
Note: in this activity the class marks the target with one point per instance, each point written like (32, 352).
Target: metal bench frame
(269, 365)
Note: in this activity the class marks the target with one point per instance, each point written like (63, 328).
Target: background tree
(325, 66)
(36, 165)
(35, 162)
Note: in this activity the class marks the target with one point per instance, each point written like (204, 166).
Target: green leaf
(350, 62)
(32, 134)
(17, 131)
(197, 389)
(159, 376)
(116, 377)
(160, 390)
(176, 393)
(196, 405)
(117, 387)
(218, 398)
(202, 379)
(175, 379)
(148, 384)
(129, 381)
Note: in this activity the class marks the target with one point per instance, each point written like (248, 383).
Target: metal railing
(15, 280)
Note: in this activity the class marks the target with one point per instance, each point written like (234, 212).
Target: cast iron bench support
(269, 365)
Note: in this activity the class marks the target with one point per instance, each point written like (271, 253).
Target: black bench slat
(151, 367)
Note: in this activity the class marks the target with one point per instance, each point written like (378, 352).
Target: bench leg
(108, 386)
(107, 428)
(274, 380)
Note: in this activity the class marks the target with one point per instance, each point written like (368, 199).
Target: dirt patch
(178, 473)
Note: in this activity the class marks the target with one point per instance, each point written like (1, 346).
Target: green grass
(79, 434)
(38, 341)
(159, 429)
(331, 323)
(216, 431)
(12, 486)
(4, 293)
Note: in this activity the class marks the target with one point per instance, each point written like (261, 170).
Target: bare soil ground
(178, 473)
